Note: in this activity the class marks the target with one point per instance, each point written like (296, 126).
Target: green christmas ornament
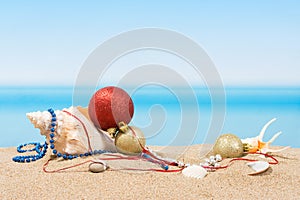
(228, 146)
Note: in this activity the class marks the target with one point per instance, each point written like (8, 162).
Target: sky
(251, 42)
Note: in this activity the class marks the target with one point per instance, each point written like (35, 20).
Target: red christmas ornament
(109, 106)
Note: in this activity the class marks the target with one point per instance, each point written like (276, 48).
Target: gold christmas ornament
(130, 140)
(228, 146)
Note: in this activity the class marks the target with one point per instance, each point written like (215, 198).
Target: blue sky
(251, 42)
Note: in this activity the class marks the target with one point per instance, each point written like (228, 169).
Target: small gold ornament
(130, 140)
(229, 146)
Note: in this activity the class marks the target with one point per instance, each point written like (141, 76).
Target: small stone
(97, 167)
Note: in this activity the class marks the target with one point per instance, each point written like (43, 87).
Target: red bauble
(109, 106)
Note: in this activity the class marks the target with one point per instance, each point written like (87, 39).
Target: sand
(28, 181)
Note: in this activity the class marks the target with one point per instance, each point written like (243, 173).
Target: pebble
(97, 167)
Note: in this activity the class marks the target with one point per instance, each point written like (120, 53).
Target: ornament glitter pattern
(109, 106)
(75, 133)
(228, 146)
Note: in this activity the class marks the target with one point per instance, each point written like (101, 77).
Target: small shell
(258, 167)
(194, 171)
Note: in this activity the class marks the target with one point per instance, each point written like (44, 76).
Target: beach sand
(28, 181)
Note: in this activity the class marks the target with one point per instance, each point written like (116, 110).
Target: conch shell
(74, 132)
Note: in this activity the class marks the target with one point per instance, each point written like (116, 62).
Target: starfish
(256, 144)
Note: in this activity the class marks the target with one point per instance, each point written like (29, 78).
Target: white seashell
(258, 167)
(70, 136)
(194, 171)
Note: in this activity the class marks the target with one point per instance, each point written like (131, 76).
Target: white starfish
(256, 143)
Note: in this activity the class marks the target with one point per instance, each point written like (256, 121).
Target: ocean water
(167, 118)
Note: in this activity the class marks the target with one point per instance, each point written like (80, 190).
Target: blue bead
(86, 154)
(52, 146)
(27, 160)
(64, 156)
(54, 151)
(51, 141)
(53, 119)
(52, 135)
(70, 157)
(53, 124)
(33, 159)
(52, 129)
(81, 155)
(165, 167)
(50, 110)
(59, 155)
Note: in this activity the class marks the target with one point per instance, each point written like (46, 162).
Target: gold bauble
(228, 146)
(128, 143)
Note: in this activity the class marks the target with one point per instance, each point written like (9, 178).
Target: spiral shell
(74, 133)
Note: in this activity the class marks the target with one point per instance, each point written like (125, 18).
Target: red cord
(146, 151)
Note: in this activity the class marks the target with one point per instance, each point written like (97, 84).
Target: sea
(168, 117)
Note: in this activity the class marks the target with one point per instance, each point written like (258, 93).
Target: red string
(146, 151)
(62, 169)
(117, 157)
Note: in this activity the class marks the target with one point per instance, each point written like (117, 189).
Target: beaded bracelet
(40, 150)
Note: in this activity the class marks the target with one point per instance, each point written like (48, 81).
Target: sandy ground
(28, 181)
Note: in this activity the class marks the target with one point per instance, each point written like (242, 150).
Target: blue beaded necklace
(41, 149)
